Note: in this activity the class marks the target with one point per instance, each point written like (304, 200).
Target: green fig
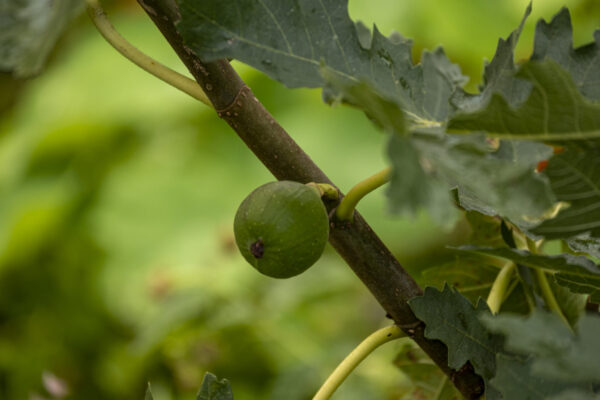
(282, 228)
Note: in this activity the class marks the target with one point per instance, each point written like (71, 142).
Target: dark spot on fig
(257, 249)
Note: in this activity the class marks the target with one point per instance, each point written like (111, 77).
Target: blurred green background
(117, 197)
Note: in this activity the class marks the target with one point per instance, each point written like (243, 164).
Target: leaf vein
(279, 28)
(335, 35)
(269, 48)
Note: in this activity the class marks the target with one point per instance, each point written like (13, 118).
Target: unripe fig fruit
(282, 228)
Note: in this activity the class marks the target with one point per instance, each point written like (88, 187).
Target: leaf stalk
(345, 211)
(357, 355)
(162, 72)
(498, 291)
(545, 288)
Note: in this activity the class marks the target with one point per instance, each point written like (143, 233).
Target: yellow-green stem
(365, 348)
(549, 297)
(140, 59)
(545, 288)
(498, 291)
(345, 210)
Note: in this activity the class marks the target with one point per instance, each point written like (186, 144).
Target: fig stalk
(345, 211)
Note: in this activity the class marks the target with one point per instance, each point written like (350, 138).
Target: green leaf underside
(471, 274)
(382, 112)
(485, 230)
(549, 98)
(581, 284)
(451, 318)
(572, 304)
(214, 389)
(411, 188)
(497, 179)
(567, 263)
(554, 111)
(575, 179)
(577, 273)
(557, 353)
(540, 101)
(488, 179)
(30, 28)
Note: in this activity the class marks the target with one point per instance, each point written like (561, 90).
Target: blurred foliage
(117, 197)
(429, 381)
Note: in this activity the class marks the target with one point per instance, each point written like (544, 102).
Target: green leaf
(491, 179)
(30, 29)
(547, 98)
(451, 318)
(495, 179)
(471, 274)
(558, 354)
(411, 188)
(485, 229)
(498, 75)
(516, 382)
(578, 273)
(586, 244)
(566, 263)
(575, 179)
(554, 111)
(554, 40)
(581, 284)
(511, 157)
(572, 304)
(214, 389)
(384, 113)
(291, 41)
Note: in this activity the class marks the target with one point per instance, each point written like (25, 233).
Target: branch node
(235, 102)
(410, 328)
